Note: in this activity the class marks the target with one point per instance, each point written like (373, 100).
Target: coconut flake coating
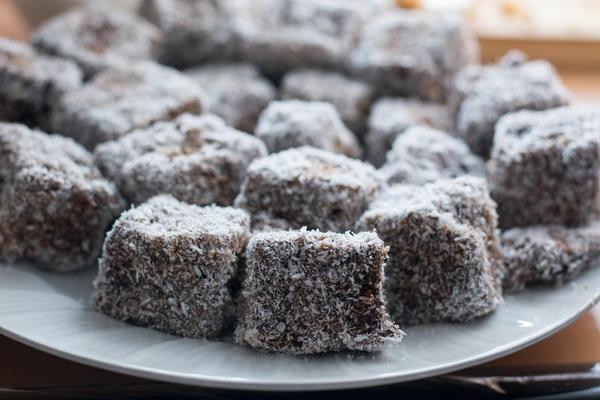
(548, 253)
(167, 265)
(236, 92)
(485, 93)
(31, 83)
(195, 31)
(444, 256)
(413, 53)
(294, 123)
(118, 101)
(96, 37)
(310, 292)
(390, 117)
(280, 35)
(309, 187)
(350, 97)
(54, 205)
(197, 159)
(423, 155)
(545, 165)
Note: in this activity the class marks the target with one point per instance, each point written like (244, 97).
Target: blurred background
(566, 32)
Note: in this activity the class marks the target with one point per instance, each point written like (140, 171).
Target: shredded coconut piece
(309, 292)
(167, 265)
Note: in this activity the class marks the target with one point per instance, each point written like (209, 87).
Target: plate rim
(199, 380)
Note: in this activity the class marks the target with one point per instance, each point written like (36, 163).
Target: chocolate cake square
(444, 260)
(309, 187)
(96, 37)
(545, 167)
(294, 123)
(310, 292)
(196, 159)
(167, 265)
(118, 101)
(483, 94)
(55, 206)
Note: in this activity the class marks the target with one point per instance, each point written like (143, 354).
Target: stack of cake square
(307, 176)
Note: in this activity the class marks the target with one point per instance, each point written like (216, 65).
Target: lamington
(413, 53)
(482, 94)
(236, 92)
(548, 253)
(309, 187)
(295, 123)
(31, 83)
(423, 155)
(545, 167)
(167, 265)
(310, 292)
(118, 101)
(195, 31)
(444, 252)
(96, 37)
(391, 116)
(351, 98)
(279, 36)
(196, 159)
(55, 206)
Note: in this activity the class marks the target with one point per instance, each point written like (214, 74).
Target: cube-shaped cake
(118, 101)
(32, 83)
(236, 92)
(350, 97)
(196, 159)
(295, 123)
(195, 31)
(390, 117)
(167, 265)
(310, 292)
(444, 256)
(309, 187)
(548, 253)
(413, 53)
(545, 167)
(482, 94)
(423, 155)
(96, 37)
(282, 35)
(55, 206)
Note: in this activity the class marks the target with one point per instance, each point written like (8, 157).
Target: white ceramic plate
(52, 312)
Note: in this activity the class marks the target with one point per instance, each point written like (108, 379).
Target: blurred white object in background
(548, 19)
